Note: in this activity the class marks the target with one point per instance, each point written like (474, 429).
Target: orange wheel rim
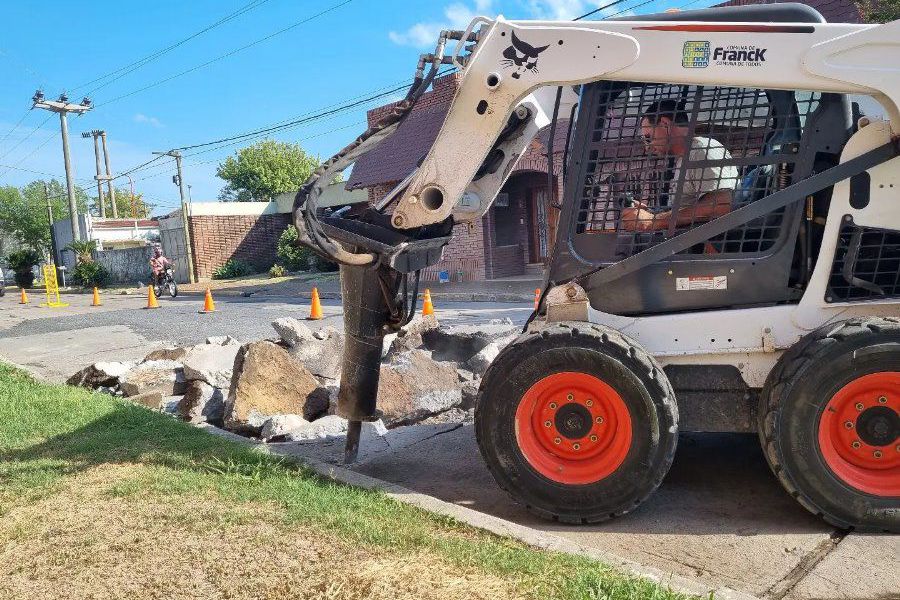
(573, 428)
(859, 434)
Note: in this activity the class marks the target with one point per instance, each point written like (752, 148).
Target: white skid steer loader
(727, 255)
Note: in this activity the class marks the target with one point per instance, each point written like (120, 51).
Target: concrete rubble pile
(286, 388)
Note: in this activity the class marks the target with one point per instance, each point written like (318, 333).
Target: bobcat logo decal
(522, 56)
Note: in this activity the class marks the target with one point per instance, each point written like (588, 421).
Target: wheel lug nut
(594, 439)
(553, 406)
(576, 446)
(547, 423)
(856, 444)
(848, 424)
(882, 400)
(590, 402)
(859, 406)
(556, 440)
(600, 419)
(570, 397)
(877, 454)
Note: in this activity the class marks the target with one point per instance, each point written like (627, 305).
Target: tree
(264, 170)
(875, 11)
(123, 205)
(23, 212)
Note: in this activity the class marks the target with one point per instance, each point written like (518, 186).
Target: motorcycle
(166, 281)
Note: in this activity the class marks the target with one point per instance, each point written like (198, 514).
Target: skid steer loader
(727, 256)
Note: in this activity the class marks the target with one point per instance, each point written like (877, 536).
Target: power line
(227, 54)
(131, 67)
(16, 126)
(596, 10)
(31, 133)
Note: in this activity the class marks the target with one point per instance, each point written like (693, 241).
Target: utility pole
(102, 202)
(50, 219)
(62, 106)
(112, 190)
(179, 180)
(133, 204)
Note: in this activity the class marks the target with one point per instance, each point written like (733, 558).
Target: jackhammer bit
(368, 294)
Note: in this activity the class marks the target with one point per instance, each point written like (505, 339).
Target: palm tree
(83, 249)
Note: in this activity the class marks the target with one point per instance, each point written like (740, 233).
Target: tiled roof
(834, 11)
(397, 156)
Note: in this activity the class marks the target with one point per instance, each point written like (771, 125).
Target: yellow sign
(52, 287)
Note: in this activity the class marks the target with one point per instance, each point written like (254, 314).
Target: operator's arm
(710, 206)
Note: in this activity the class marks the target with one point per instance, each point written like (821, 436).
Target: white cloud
(152, 121)
(456, 16)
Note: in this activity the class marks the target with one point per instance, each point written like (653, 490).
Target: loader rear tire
(577, 422)
(829, 418)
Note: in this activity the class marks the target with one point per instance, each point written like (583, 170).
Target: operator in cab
(706, 191)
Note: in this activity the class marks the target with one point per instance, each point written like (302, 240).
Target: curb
(446, 297)
(527, 535)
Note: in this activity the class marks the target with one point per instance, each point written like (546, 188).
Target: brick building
(515, 234)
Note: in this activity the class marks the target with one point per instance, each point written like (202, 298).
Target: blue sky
(354, 50)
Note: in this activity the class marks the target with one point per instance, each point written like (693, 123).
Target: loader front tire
(577, 422)
(829, 423)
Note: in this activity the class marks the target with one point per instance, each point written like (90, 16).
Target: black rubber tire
(173, 289)
(796, 393)
(613, 358)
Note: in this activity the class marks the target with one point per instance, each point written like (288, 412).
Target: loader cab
(739, 143)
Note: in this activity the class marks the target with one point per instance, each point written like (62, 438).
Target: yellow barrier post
(51, 287)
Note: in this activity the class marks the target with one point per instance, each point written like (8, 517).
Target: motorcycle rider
(158, 264)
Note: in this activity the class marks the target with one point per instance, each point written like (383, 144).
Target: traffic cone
(23, 297)
(151, 298)
(96, 300)
(208, 304)
(315, 310)
(537, 298)
(427, 306)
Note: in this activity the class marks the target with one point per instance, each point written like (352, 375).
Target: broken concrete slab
(175, 353)
(277, 427)
(163, 376)
(202, 403)
(413, 387)
(322, 355)
(222, 340)
(101, 374)
(460, 343)
(292, 331)
(328, 426)
(210, 363)
(266, 382)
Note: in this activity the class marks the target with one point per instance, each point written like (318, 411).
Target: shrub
(277, 271)
(90, 274)
(233, 268)
(21, 262)
(300, 258)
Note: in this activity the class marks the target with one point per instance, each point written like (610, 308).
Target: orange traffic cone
(23, 297)
(537, 298)
(208, 304)
(151, 298)
(96, 300)
(315, 310)
(427, 306)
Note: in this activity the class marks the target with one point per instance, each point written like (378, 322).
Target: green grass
(51, 433)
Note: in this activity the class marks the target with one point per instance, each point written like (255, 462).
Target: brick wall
(248, 238)
(441, 93)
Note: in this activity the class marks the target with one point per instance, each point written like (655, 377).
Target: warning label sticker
(701, 282)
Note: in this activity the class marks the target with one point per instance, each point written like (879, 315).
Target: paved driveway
(720, 516)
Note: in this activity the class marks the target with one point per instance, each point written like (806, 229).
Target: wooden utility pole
(62, 107)
(179, 180)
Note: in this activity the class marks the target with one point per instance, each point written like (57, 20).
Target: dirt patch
(86, 542)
